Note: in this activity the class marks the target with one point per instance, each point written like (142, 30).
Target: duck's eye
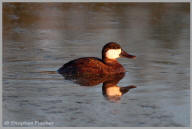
(113, 53)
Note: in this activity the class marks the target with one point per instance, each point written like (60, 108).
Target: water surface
(38, 38)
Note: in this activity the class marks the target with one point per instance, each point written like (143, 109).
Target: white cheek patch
(113, 53)
(113, 91)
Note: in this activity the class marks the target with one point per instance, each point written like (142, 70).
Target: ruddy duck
(92, 65)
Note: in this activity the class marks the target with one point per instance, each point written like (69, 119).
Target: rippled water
(40, 38)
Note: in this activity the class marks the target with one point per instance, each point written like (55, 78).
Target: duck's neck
(113, 66)
(110, 61)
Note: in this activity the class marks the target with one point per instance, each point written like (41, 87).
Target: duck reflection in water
(111, 91)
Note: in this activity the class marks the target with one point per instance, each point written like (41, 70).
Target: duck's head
(113, 51)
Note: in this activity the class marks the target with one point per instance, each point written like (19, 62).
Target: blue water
(40, 38)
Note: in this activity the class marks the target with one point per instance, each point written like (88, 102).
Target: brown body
(91, 65)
